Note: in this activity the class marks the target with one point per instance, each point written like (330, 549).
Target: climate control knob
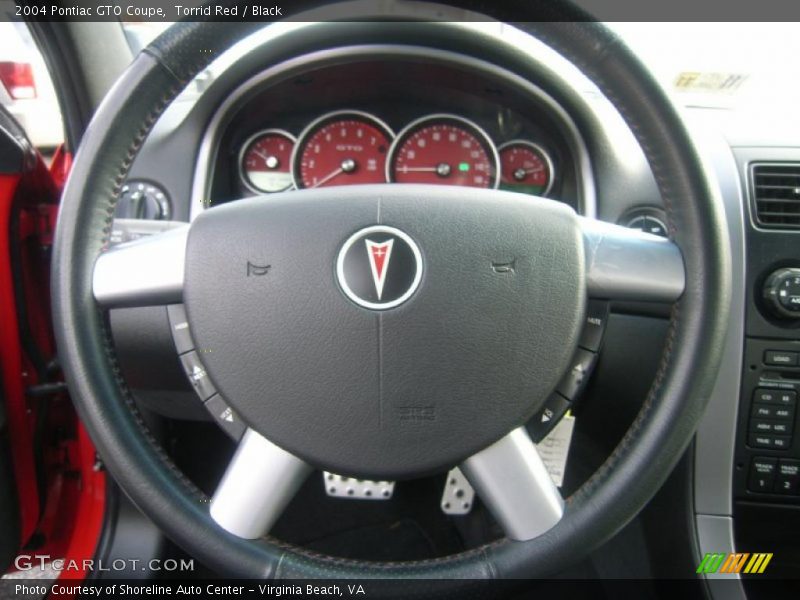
(782, 293)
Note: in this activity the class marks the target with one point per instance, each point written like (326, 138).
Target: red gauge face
(265, 162)
(445, 151)
(525, 168)
(342, 149)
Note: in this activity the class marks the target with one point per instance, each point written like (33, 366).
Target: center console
(766, 461)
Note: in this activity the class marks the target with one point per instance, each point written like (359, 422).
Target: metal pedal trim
(458, 495)
(348, 488)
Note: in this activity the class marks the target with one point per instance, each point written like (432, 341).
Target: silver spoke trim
(260, 481)
(513, 482)
(146, 272)
(626, 264)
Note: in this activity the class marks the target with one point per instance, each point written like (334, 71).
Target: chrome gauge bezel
(468, 124)
(538, 148)
(317, 123)
(243, 150)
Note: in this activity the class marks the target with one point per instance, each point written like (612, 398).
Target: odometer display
(525, 167)
(444, 150)
(342, 148)
(265, 161)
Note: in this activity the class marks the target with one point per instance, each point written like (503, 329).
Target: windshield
(719, 65)
(725, 65)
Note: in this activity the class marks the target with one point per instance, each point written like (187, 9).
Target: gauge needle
(520, 173)
(269, 160)
(348, 166)
(328, 177)
(442, 169)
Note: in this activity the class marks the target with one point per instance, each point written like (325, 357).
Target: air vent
(776, 195)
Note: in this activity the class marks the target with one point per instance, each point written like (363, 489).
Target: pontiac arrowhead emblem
(379, 267)
(379, 256)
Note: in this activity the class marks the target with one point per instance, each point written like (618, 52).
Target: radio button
(787, 480)
(762, 475)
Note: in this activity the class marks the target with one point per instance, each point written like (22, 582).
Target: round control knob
(143, 200)
(782, 293)
(649, 224)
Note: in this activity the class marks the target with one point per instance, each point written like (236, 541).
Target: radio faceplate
(767, 465)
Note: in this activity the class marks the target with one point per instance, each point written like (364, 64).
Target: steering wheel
(337, 361)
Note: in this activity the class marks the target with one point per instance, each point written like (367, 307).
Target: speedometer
(445, 150)
(341, 148)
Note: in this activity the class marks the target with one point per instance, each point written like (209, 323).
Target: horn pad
(386, 331)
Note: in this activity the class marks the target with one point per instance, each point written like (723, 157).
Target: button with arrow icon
(225, 416)
(197, 375)
(548, 417)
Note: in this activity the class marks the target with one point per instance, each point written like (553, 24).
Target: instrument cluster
(349, 147)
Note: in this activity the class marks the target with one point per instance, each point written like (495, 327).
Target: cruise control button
(762, 475)
(543, 422)
(595, 325)
(581, 369)
(179, 326)
(225, 417)
(781, 358)
(787, 480)
(197, 375)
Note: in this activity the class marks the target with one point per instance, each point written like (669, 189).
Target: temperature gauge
(265, 161)
(526, 168)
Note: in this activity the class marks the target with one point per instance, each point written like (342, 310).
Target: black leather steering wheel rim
(619, 489)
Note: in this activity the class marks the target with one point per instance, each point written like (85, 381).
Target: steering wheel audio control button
(577, 377)
(595, 325)
(548, 417)
(197, 375)
(230, 422)
(179, 326)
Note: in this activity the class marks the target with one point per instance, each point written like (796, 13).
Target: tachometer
(525, 167)
(265, 161)
(446, 150)
(342, 148)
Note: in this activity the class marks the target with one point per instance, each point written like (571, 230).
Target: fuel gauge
(264, 161)
(526, 168)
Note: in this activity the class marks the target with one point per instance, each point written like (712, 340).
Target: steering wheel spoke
(513, 482)
(145, 272)
(626, 264)
(259, 483)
